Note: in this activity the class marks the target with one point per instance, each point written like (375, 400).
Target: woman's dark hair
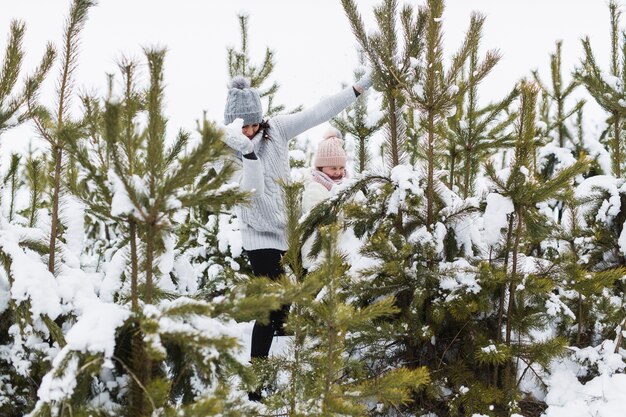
(264, 125)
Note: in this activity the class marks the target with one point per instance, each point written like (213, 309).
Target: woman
(263, 152)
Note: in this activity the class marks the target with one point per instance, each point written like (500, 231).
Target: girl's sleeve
(291, 125)
(312, 195)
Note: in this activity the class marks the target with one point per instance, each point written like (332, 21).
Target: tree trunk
(468, 173)
(58, 155)
(452, 167)
(430, 182)
(509, 236)
(362, 155)
(617, 158)
(328, 380)
(580, 320)
(134, 292)
(512, 284)
(561, 125)
(149, 262)
(393, 130)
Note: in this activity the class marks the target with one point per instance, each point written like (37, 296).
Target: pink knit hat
(330, 151)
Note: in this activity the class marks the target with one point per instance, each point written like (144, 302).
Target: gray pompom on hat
(242, 102)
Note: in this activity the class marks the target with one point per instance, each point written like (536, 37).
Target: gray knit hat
(242, 102)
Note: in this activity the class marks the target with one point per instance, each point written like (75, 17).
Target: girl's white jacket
(313, 194)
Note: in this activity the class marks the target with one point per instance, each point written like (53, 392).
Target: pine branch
(73, 27)
(12, 62)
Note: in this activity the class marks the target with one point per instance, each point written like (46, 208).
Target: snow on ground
(602, 396)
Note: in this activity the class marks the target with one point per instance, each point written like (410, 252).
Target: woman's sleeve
(252, 178)
(248, 174)
(291, 125)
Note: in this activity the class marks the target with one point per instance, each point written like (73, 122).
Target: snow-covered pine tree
(587, 288)
(323, 373)
(560, 144)
(13, 181)
(609, 88)
(36, 179)
(475, 133)
(586, 283)
(391, 60)
(55, 125)
(390, 56)
(525, 286)
(405, 231)
(25, 333)
(596, 223)
(12, 101)
(170, 350)
(107, 128)
(357, 121)
(240, 63)
(434, 93)
(102, 237)
(600, 203)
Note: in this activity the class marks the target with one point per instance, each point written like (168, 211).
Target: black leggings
(266, 262)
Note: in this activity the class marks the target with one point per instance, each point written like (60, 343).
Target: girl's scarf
(325, 180)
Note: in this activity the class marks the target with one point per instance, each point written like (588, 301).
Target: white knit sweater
(262, 221)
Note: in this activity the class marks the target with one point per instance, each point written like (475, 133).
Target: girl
(329, 170)
(263, 154)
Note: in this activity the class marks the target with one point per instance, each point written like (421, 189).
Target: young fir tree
(521, 307)
(55, 126)
(436, 93)
(601, 205)
(36, 179)
(400, 269)
(586, 288)
(239, 63)
(357, 122)
(12, 101)
(609, 89)
(390, 56)
(553, 113)
(102, 234)
(173, 354)
(475, 133)
(401, 230)
(323, 371)
(19, 326)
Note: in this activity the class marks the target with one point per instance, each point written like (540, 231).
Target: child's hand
(234, 138)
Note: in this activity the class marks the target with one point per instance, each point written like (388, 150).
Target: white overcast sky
(313, 42)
